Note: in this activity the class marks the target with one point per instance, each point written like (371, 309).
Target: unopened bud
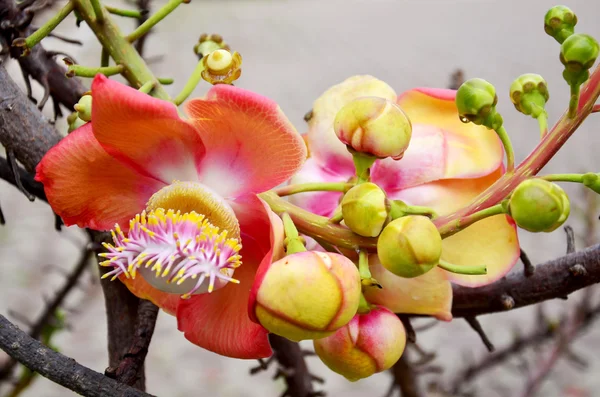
(222, 67)
(529, 94)
(476, 101)
(366, 209)
(409, 246)
(374, 126)
(307, 295)
(209, 43)
(369, 343)
(84, 107)
(74, 122)
(578, 53)
(537, 205)
(560, 22)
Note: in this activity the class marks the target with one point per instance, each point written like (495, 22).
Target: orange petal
(144, 132)
(140, 288)
(219, 321)
(324, 145)
(251, 146)
(429, 294)
(492, 242)
(470, 150)
(87, 187)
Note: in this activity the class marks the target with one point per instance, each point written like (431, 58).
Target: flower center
(194, 196)
(174, 252)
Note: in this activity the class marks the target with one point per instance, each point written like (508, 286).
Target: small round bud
(307, 295)
(409, 246)
(529, 94)
(476, 102)
(592, 181)
(374, 126)
(222, 67)
(366, 209)
(560, 22)
(579, 52)
(537, 205)
(84, 107)
(209, 43)
(370, 343)
(74, 122)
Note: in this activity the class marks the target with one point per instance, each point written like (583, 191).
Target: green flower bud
(409, 246)
(537, 205)
(74, 122)
(579, 52)
(366, 209)
(529, 94)
(592, 181)
(374, 126)
(84, 107)
(476, 102)
(560, 22)
(209, 43)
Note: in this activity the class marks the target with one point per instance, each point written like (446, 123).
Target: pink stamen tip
(175, 247)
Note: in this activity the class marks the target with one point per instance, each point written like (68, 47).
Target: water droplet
(464, 119)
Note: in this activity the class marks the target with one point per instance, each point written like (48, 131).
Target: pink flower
(138, 154)
(446, 165)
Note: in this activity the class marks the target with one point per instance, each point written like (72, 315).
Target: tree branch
(552, 279)
(58, 368)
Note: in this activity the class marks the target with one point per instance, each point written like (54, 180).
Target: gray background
(293, 51)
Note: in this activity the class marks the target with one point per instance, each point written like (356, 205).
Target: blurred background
(293, 50)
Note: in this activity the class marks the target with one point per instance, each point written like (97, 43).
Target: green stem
(104, 58)
(147, 87)
(543, 123)
(574, 101)
(165, 80)
(313, 187)
(337, 217)
(510, 155)
(154, 19)
(136, 70)
(98, 10)
(362, 163)
(49, 26)
(123, 13)
(366, 278)
(84, 71)
(462, 223)
(191, 84)
(363, 306)
(399, 209)
(576, 178)
(472, 270)
(293, 242)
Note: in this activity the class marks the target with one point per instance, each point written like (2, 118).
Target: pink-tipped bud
(307, 295)
(368, 344)
(374, 126)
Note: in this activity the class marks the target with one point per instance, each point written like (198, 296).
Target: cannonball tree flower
(183, 192)
(446, 165)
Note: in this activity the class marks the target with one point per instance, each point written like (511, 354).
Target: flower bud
(409, 246)
(560, 22)
(592, 181)
(74, 122)
(529, 94)
(209, 43)
(84, 107)
(307, 295)
(476, 102)
(222, 67)
(578, 53)
(374, 126)
(366, 209)
(369, 343)
(537, 205)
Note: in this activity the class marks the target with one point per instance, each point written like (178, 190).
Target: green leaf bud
(476, 101)
(366, 209)
(529, 94)
(410, 246)
(560, 22)
(537, 205)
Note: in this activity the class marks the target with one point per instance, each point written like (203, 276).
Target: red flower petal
(87, 187)
(251, 146)
(144, 132)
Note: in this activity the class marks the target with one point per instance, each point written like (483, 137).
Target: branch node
(578, 270)
(507, 301)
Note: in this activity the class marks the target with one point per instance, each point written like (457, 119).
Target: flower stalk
(191, 84)
(98, 11)
(154, 19)
(45, 29)
(313, 187)
(123, 13)
(85, 71)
